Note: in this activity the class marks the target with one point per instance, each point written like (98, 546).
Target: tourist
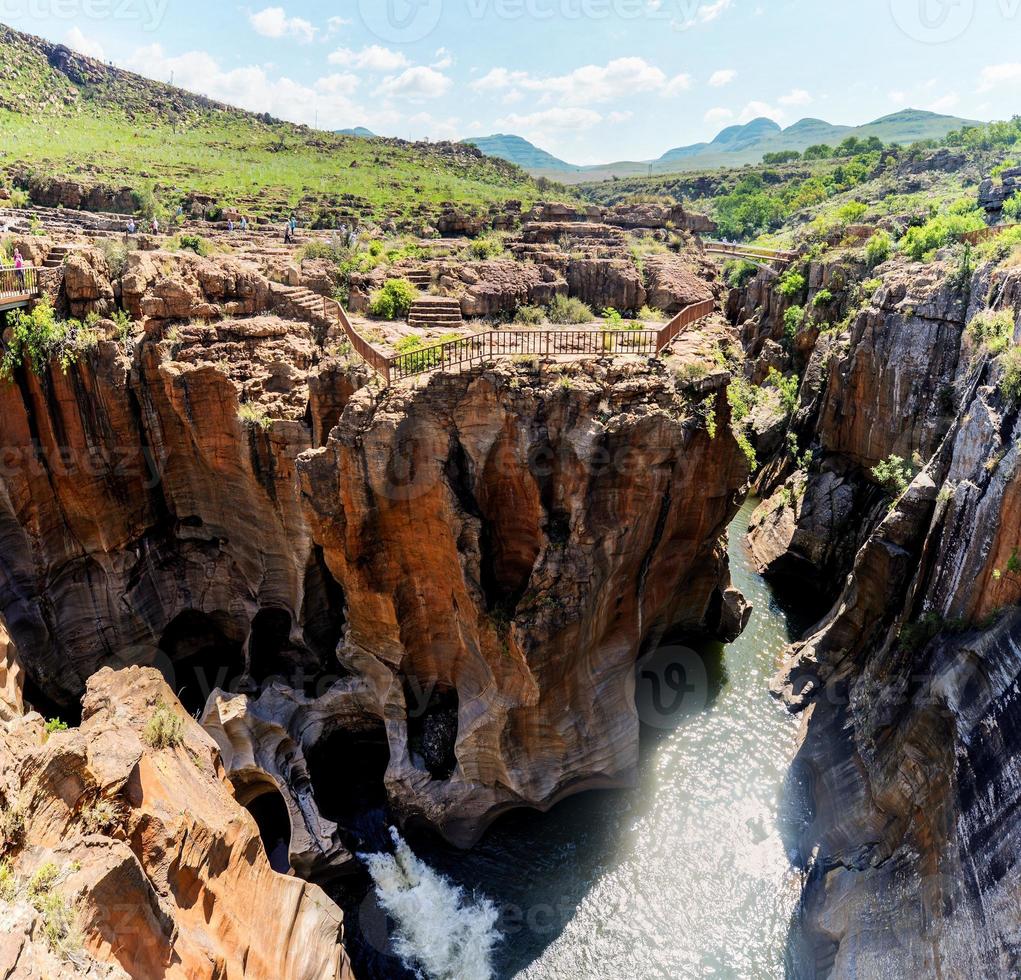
(19, 265)
(288, 237)
(132, 227)
(244, 225)
(155, 226)
(230, 225)
(294, 224)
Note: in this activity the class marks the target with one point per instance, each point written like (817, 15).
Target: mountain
(70, 120)
(732, 147)
(360, 131)
(520, 151)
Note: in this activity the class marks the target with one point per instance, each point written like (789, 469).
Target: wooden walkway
(18, 287)
(480, 347)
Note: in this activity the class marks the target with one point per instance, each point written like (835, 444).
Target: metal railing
(750, 251)
(985, 234)
(510, 343)
(18, 283)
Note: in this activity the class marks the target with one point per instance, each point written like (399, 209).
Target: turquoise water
(687, 876)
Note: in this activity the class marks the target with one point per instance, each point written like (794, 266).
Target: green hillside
(63, 114)
(522, 153)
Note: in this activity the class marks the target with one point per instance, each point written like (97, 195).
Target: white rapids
(440, 933)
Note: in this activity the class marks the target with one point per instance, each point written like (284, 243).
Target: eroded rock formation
(162, 871)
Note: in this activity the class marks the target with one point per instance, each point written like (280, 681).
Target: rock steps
(435, 311)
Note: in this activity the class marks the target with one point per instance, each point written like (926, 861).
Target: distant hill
(66, 115)
(732, 147)
(361, 131)
(520, 151)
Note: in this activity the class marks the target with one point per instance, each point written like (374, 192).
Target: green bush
(1010, 381)
(254, 415)
(991, 331)
(422, 354)
(55, 725)
(878, 249)
(39, 336)
(612, 319)
(116, 254)
(394, 300)
(530, 316)
(739, 272)
(822, 298)
(486, 247)
(165, 728)
(793, 321)
(19, 199)
(791, 284)
(787, 387)
(648, 315)
(194, 243)
(923, 242)
(566, 310)
(893, 474)
(852, 212)
(1012, 207)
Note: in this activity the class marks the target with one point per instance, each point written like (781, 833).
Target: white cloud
(995, 76)
(898, 97)
(718, 115)
(588, 85)
(334, 25)
(86, 45)
(435, 128)
(551, 121)
(274, 22)
(796, 96)
(615, 118)
(677, 84)
(704, 14)
(416, 84)
(444, 59)
(373, 58)
(722, 77)
(756, 109)
(251, 87)
(945, 103)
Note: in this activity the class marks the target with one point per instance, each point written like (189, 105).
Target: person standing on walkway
(288, 237)
(19, 265)
(294, 224)
(155, 226)
(244, 224)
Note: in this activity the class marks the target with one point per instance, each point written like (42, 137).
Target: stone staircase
(421, 279)
(303, 304)
(436, 312)
(56, 256)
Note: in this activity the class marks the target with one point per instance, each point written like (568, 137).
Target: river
(686, 876)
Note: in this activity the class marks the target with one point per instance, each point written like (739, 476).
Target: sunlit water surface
(687, 876)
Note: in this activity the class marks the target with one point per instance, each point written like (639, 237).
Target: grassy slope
(99, 124)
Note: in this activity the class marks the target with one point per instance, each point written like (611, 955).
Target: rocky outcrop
(485, 532)
(489, 289)
(673, 282)
(156, 862)
(602, 283)
(910, 686)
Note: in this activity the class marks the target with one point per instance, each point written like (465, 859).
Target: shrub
(164, 729)
(991, 331)
(194, 243)
(38, 336)
(791, 284)
(101, 816)
(19, 198)
(323, 250)
(116, 255)
(530, 316)
(254, 415)
(424, 354)
(852, 212)
(739, 272)
(741, 396)
(923, 242)
(568, 310)
(793, 321)
(613, 319)
(486, 247)
(1012, 207)
(893, 474)
(55, 725)
(649, 315)
(878, 249)
(787, 387)
(822, 298)
(394, 300)
(1010, 382)
(12, 827)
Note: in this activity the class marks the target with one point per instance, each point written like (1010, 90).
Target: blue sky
(590, 80)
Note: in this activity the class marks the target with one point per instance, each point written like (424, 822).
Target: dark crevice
(432, 730)
(270, 813)
(205, 653)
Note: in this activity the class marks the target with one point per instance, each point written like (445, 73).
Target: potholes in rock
(273, 655)
(432, 732)
(206, 652)
(264, 802)
(346, 769)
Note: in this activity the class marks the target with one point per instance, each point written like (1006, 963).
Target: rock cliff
(131, 849)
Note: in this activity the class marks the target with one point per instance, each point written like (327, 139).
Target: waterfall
(440, 933)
